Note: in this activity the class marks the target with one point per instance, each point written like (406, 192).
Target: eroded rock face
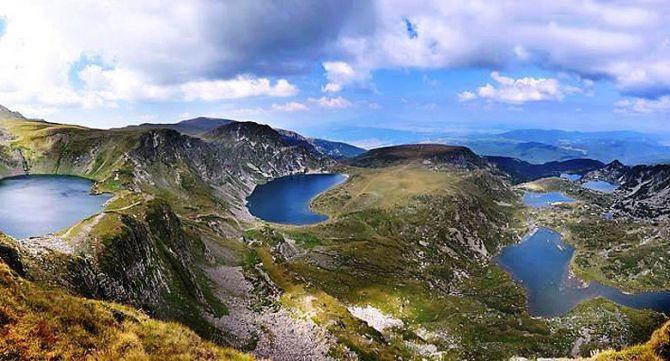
(644, 192)
(12, 162)
(229, 163)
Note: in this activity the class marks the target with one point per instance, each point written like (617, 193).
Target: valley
(402, 265)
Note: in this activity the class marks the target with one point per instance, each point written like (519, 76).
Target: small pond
(600, 186)
(571, 177)
(538, 200)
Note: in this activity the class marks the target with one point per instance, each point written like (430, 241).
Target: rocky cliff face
(644, 190)
(173, 217)
(612, 172)
(259, 151)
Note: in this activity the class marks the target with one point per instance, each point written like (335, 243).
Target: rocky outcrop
(146, 260)
(612, 173)
(644, 192)
(260, 152)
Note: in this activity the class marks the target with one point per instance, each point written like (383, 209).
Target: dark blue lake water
(600, 186)
(36, 205)
(286, 199)
(538, 200)
(541, 264)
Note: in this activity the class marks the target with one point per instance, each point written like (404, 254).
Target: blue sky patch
(411, 29)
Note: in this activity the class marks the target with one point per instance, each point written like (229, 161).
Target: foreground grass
(656, 349)
(38, 324)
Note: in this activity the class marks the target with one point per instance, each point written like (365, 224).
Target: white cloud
(643, 106)
(239, 87)
(90, 54)
(333, 103)
(519, 91)
(107, 86)
(290, 107)
(466, 96)
(625, 42)
(340, 74)
(197, 50)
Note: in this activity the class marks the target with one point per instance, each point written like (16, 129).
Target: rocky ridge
(644, 190)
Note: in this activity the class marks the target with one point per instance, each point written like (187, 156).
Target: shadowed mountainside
(39, 324)
(521, 171)
(432, 153)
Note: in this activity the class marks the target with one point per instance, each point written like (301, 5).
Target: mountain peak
(206, 122)
(4, 111)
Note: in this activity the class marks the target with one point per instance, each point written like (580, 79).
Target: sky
(351, 70)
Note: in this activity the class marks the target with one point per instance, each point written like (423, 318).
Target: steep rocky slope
(39, 324)
(201, 126)
(656, 349)
(644, 190)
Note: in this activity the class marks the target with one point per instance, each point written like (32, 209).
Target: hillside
(40, 324)
(166, 242)
(201, 126)
(192, 127)
(431, 153)
(656, 349)
(521, 171)
(401, 269)
(644, 190)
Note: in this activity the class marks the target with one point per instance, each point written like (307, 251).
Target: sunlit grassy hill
(42, 324)
(656, 349)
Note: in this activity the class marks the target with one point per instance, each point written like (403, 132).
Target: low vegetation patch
(39, 324)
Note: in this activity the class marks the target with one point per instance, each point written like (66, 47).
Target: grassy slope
(656, 349)
(395, 242)
(39, 324)
(66, 149)
(370, 254)
(112, 238)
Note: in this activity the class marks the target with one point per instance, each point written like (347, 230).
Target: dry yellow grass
(383, 188)
(656, 349)
(39, 324)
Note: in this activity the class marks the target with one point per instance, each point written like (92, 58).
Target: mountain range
(403, 268)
